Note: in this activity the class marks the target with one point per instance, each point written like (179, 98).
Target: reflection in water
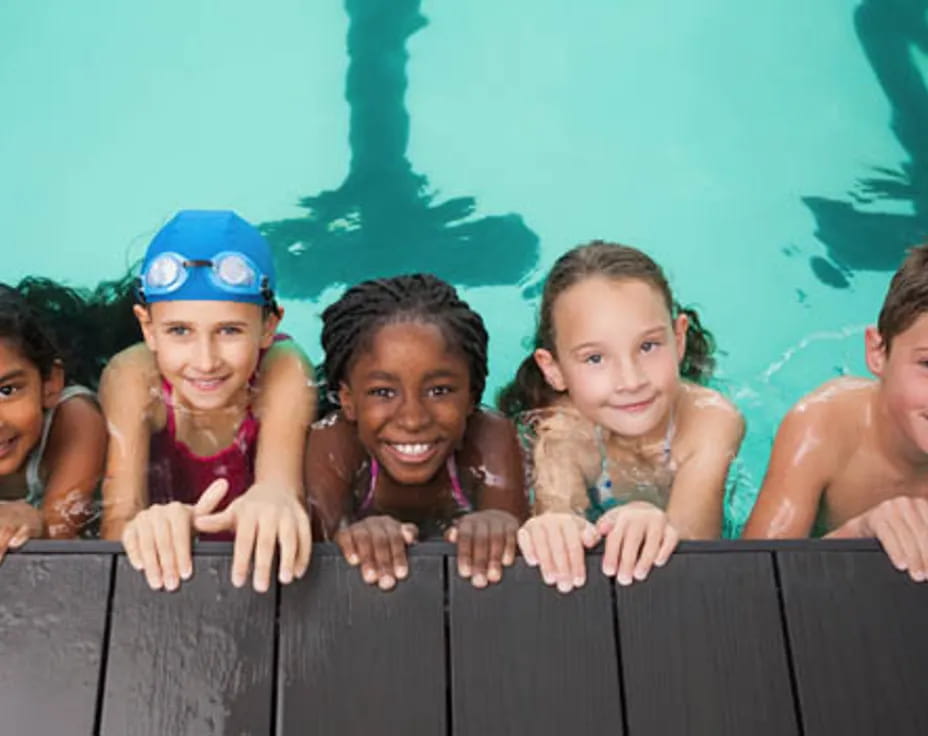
(383, 219)
(889, 31)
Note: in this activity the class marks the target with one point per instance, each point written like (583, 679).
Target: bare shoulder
(333, 439)
(130, 386)
(487, 424)
(135, 363)
(705, 415)
(836, 410)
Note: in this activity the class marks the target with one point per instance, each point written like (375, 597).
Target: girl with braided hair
(623, 447)
(410, 452)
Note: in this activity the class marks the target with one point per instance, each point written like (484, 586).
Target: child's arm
(486, 538)
(565, 459)
(74, 456)
(801, 466)
(126, 397)
(19, 521)
(272, 511)
(698, 490)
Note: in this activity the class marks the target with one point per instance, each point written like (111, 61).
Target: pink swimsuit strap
(456, 491)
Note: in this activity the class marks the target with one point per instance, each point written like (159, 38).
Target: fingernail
(353, 559)
(387, 582)
(548, 578)
(170, 582)
(369, 576)
(918, 575)
(624, 579)
(401, 572)
(579, 582)
(563, 586)
(286, 576)
(187, 573)
(608, 570)
(260, 586)
(238, 580)
(641, 574)
(465, 570)
(479, 581)
(494, 574)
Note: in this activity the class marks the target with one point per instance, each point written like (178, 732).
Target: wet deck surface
(729, 638)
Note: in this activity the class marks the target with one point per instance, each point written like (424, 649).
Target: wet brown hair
(907, 297)
(529, 390)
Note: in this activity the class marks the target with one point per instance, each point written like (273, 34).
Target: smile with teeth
(6, 446)
(206, 384)
(411, 451)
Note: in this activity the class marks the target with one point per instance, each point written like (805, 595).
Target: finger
(543, 550)
(653, 538)
(246, 531)
(383, 554)
(590, 535)
(631, 548)
(150, 564)
(365, 548)
(211, 497)
(509, 547)
(557, 539)
(222, 521)
(465, 548)
(345, 540)
(5, 534)
(497, 545)
(606, 523)
(527, 546)
(287, 541)
(915, 532)
(668, 545)
(164, 544)
(398, 553)
(451, 535)
(130, 542)
(305, 537)
(891, 544)
(575, 556)
(20, 537)
(264, 553)
(180, 533)
(480, 549)
(613, 547)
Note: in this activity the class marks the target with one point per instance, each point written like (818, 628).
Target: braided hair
(349, 324)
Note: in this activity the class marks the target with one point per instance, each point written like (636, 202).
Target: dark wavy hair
(82, 329)
(349, 324)
(529, 389)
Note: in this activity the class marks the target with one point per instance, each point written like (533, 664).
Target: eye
(178, 330)
(594, 359)
(381, 392)
(440, 390)
(230, 330)
(648, 345)
(8, 389)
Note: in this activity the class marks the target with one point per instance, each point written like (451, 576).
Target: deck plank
(702, 648)
(357, 660)
(52, 624)
(196, 661)
(527, 659)
(859, 641)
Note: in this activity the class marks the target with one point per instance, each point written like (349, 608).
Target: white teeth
(416, 449)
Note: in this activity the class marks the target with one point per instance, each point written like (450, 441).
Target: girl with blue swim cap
(208, 416)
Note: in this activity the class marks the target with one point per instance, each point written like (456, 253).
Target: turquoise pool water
(479, 139)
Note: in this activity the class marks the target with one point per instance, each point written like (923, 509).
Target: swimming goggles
(230, 272)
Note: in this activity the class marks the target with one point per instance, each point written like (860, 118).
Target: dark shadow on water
(858, 239)
(384, 219)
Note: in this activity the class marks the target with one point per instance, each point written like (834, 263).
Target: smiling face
(410, 396)
(24, 394)
(903, 373)
(206, 350)
(617, 353)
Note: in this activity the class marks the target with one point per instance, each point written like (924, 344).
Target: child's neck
(206, 431)
(645, 445)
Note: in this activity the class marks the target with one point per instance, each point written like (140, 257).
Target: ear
(346, 400)
(549, 368)
(269, 328)
(875, 351)
(143, 315)
(53, 386)
(680, 327)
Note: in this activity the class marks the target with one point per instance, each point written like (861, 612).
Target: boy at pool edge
(851, 458)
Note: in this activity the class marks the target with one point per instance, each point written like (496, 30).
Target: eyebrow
(17, 373)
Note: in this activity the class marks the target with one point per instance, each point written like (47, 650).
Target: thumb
(411, 533)
(451, 534)
(590, 535)
(211, 497)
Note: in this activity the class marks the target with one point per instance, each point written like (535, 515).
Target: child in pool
(187, 451)
(52, 435)
(411, 451)
(851, 458)
(624, 448)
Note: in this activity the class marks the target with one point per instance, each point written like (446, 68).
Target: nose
(412, 415)
(205, 357)
(629, 377)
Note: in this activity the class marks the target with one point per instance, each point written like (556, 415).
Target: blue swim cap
(208, 255)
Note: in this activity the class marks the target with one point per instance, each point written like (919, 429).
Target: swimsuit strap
(456, 491)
